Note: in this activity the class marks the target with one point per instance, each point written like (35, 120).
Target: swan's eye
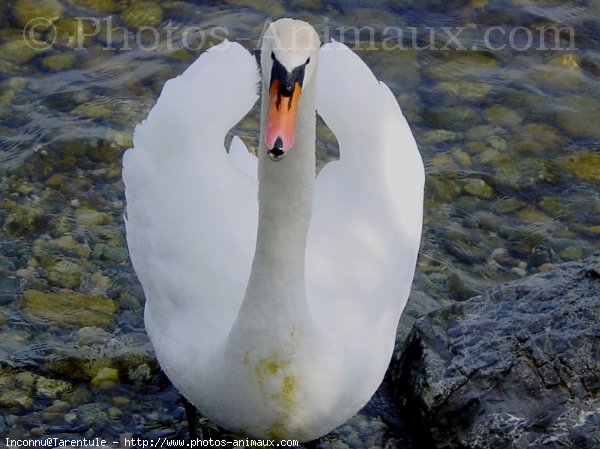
(307, 61)
(273, 55)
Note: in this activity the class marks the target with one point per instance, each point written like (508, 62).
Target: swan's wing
(367, 217)
(242, 159)
(191, 212)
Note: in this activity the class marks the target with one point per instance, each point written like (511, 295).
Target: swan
(276, 318)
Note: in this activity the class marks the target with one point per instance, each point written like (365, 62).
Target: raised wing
(367, 217)
(191, 212)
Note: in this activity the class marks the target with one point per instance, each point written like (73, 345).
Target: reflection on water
(503, 98)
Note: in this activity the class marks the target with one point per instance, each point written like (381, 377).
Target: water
(505, 116)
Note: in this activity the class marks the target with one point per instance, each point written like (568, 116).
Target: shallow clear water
(503, 98)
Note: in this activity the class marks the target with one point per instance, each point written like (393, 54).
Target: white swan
(278, 318)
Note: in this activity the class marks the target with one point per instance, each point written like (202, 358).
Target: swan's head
(288, 62)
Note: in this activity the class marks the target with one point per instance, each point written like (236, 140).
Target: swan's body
(277, 318)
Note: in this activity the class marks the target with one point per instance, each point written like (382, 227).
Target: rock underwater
(513, 368)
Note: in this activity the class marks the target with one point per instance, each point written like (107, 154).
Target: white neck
(275, 298)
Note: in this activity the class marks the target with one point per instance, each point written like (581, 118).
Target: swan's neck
(275, 297)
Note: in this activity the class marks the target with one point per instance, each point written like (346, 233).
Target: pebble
(271, 7)
(101, 6)
(444, 161)
(73, 34)
(508, 205)
(87, 217)
(142, 15)
(82, 250)
(101, 283)
(537, 138)
(18, 51)
(12, 340)
(129, 302)
(50, 417)
(113, 412)
(91, 335)
(454, 118)
(501, 115)
(69, 308)
(59, 62)
(141, 374)
(25, 379)
(105, 377)
(405, 73)
(491, 156)
(455, 91)
(551, 204)
(478, 187)
(571, 253)
(314, 5)
(562, 72)
(533, 216)
(51, 388)
(121, 401)
(70, 418)
(65, 273)
(462, 157)
(37, 431)
(525, 173)
(441, 188)
(25, 219)
(93, 415)
(521, 272)
(110, 253)
(436, 136)
(569, 116)
(545, 267)
(24, 11)
(16, 399)
(463, 67)
(58, 406)
(583, 164)
(94, 109)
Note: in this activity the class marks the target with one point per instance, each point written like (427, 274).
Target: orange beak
(280, 131)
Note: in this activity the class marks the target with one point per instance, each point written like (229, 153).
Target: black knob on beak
(276, 153)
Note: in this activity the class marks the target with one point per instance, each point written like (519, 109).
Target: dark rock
(516, 367)
(25, 219)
